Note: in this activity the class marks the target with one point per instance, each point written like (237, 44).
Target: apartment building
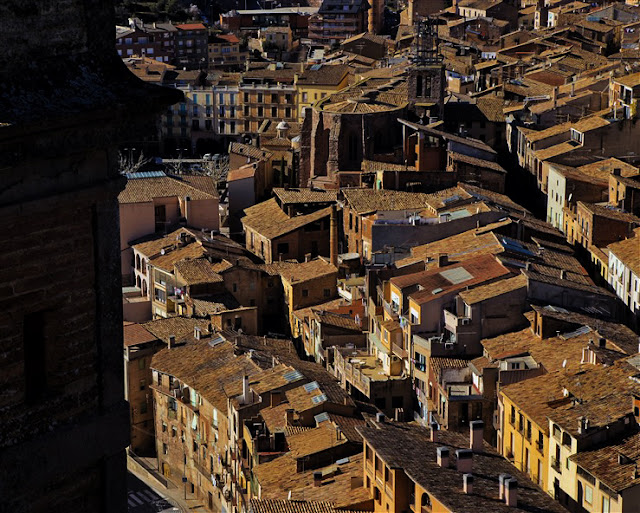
(409, 467)
(224, 52)
(191, 50)
(338, 20)
(624, 272)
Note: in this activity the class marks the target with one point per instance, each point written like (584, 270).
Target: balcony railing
(555, 464)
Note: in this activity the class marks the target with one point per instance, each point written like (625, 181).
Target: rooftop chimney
(442, 456)
(434, 431)
(171, 342)
(380, 417)
(443, 260)
(276, 397)
(245, 389)
(317, 478)
(464, 461)
(476, 434)
(197, 332)
(573, 89)
(502, 478)
(333, 236)
(307, 257)
(288, 417)
(511, 492)
(467, 483)
(563, 274)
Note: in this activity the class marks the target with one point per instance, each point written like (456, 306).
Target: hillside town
(375, 256)
(386, 270)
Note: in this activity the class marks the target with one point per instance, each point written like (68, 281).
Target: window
(605, 505)
(588, 494)
(260, 112)
(174, 431)
(304, 97)
(577, 136)
(35, 357)
(305, 293)
(164, 427)
(283, 248)
(165, 449)
(143, 384)
(274, 112)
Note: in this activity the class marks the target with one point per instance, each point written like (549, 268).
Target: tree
(128, 164)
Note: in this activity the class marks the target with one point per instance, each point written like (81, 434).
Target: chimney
(245, 389)
(434, 431)
(527, 265)
(317, 478)
(288, 417)
(476, 434)
(502, 478)
(442, 457)
(333, 236)
(276, 397)
(573, 89)
(464, 460)
(197, 333)
(563, 274)
(467, 483)
(617, 171)
(511, 492)
(187, 208)
(554, 97)
(443, 260)
(307, 257)
(210, 329)
(380, 418)
(171, 342)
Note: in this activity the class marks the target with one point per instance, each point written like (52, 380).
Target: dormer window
(577, 136)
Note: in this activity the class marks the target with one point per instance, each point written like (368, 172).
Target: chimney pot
(563, 274)
(171, 342)
(464, 460)
(317, 478)
(476, 434)
(380, 417)
(443, 260)
(467, 483)
(434, 431)
(511, 492)
(288, 417)
(197, 332)
(502, 478)
(442, 456)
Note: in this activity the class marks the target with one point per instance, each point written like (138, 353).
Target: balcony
(540, 446)
(399, 351)
(555, 464)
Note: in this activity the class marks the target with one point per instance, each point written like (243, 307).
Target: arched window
(425, 501)
(138, 281)
(144, 287)
(143, 266)
(138, 262)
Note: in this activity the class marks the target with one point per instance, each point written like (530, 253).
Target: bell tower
(426, 73)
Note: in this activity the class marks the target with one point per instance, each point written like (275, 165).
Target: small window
(165, 449)
(164, 427)
(143, 384)
(174, 432)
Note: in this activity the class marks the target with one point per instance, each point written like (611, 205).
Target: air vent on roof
(319, 399)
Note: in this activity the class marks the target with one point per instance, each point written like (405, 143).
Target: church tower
(426, 74)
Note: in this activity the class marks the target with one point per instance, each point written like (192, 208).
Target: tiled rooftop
(495, 289)
(295, 195)
(268, 219)
(408, 446)
(310, 270)
(144, 190)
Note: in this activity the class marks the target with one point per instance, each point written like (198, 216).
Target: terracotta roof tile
(268, 219)
(295, 195)
(144, 190)
(135, 334)
(495, 289)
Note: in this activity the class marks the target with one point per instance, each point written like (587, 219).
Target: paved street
(143, 499)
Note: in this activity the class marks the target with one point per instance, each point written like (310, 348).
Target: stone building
(345, 128)
(65, 103)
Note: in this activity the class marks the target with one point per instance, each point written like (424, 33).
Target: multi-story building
(228, 113)
(140, 345)
(267, 94)
(318, 81)
(408, 468)
(191, 50)
(338, 20)
(624, 273)
(624, 93)
(154, 41)
(224, 52)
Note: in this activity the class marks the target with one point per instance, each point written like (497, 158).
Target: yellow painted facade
(308, 94)
(524, 443)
